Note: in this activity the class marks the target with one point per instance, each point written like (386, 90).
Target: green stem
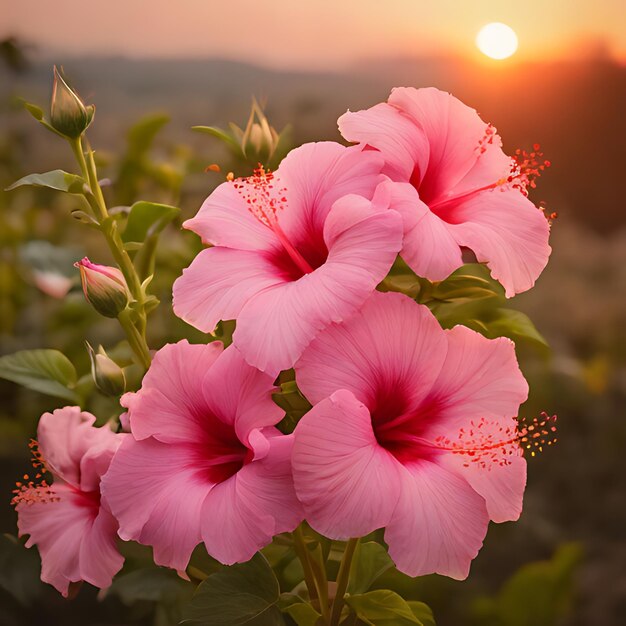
(108, 227)
(343, 578)
(135, 339)
(302, 553)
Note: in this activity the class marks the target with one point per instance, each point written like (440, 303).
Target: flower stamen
(35, 489)
(488, 443)
(265, 201)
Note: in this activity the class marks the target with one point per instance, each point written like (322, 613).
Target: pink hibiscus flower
(413, 430)
(204, 462)
(68, 521)
(456, 187)
(293, 251)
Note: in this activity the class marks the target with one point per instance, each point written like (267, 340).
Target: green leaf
(34, 110)
(19, 570)
(540, 593)
(46, 371)
(370, 561)
(246, 593)
(220, 134)
(291, 400)
(56, 179)
(302, 613)
(146, 219)
(142, 134)
(148, 584)
(382, 608)
(423, 612)
(515, 325)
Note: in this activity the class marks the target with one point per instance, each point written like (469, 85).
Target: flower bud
(104, 287)
(68, 115)
(106, 373)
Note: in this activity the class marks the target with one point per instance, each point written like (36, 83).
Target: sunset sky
(320, 34)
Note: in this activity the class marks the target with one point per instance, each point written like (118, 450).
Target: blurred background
(154, 69)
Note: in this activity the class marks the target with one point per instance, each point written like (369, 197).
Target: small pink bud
(104, 287)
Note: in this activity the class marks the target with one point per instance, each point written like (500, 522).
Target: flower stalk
(135, 329)
(343, 578)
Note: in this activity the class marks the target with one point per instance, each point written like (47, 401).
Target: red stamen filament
(265, 202)
(487, 443)
(526, 167)
(36, 489)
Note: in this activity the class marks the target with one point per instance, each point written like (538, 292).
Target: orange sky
(319, 34)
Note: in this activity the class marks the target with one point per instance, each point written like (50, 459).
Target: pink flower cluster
(412, 428)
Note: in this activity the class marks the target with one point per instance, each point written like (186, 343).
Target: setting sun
(497, 40)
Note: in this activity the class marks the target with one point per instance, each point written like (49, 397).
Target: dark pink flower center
(219, 454)
(265, 201)
(526, 167)
(400, 429)
(406, 432)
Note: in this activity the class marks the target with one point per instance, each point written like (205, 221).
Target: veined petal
(316, 175)
(348, 484)
(241, 394)
(428, 248)
(439, 523)
(274, 327)
(218, 283)
(156, 491)
(241, 515)
(392, 343)
(505, 230)
(384, 127)
(170, 403)
(224, 219)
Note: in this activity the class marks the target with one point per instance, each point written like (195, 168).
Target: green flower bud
(68, 115)
(104, 287)
(106, 373)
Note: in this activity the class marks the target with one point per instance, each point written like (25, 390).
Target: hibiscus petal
(454, 131)
(349, 485)
(480, 377)
(218, 283)
(224, 219)
(169, 404)
(57, 528)
(156, 493)
(65, 436)
(384, 127)
(439, 523)
(391, 341)
(316, 175)
(505, 230)
(99, 558)
(241, 515)
(502, 486)
(275, 326)
(429, 248)
(241, 394)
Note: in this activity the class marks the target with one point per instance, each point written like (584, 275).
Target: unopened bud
(104, 287)
(106, 373)
(68, 115)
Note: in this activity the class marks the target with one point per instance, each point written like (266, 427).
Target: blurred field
(575, 110)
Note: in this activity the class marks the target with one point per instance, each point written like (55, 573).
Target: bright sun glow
(497, 40)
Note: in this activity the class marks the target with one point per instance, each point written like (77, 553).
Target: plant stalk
(343, 577)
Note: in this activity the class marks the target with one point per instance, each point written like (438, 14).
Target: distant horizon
(39, 54)
(320, 36)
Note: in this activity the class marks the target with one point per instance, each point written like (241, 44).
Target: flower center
(525, 168)
(220, 454)
(398, 429)
(406, 433)
(265, 201)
